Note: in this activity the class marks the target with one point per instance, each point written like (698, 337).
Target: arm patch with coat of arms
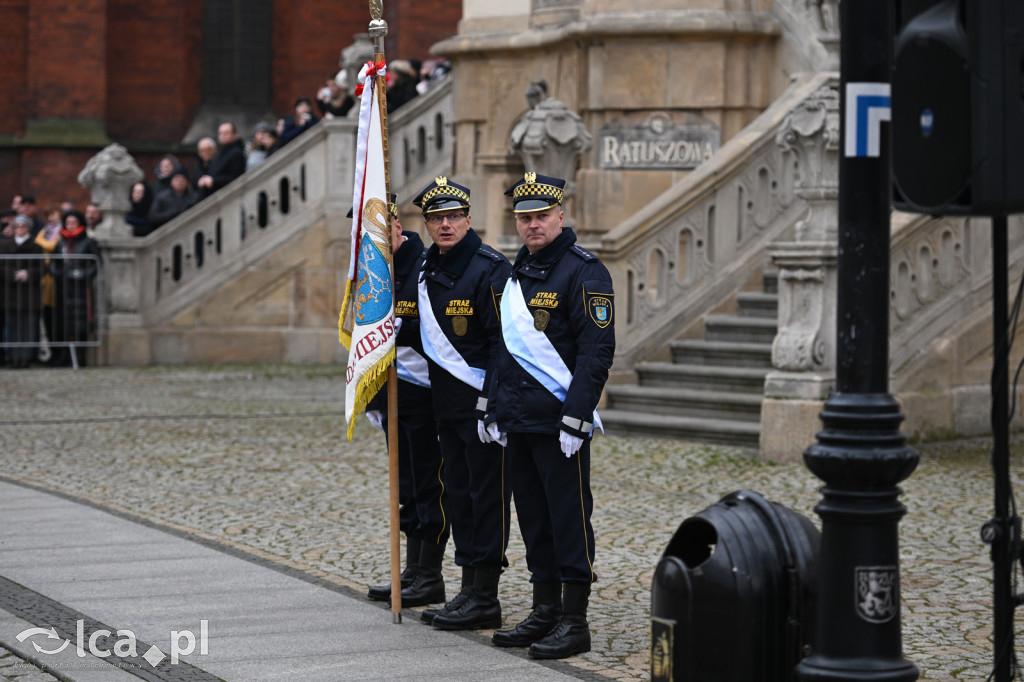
(598, 301)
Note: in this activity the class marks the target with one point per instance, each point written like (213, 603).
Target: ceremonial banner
(366, 325)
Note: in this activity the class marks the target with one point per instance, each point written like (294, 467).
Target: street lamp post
(861, 455)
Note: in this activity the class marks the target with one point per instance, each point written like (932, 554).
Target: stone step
(758, 304)
(701, 429)
(728, 353)
(742, 329)
(684, 402)
(702, 377)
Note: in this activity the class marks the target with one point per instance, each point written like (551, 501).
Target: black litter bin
(733, 595)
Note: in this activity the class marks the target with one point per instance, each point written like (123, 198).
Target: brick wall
(155, 90)
(67, 60)
(135, 68)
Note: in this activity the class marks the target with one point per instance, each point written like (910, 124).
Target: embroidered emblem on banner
(460, 325)
(541, 319)
(877, 593)
(600, 310)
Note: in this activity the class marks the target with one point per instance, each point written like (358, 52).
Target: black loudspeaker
(958, 107)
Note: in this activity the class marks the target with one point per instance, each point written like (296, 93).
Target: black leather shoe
(479, 612)
(457, 601)
(383, 592)
(570, 637)
(427, 588)
(537, 625)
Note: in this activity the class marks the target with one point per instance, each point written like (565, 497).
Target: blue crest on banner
(373, 290)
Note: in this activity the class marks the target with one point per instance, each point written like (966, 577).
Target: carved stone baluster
(109, 175)
(803, 353)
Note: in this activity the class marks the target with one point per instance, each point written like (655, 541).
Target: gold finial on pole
(376, 9)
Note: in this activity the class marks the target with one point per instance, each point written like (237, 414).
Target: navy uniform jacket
(464, 286)
(412, 398)
(574, 292)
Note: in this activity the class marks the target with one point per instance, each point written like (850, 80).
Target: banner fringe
(345, 336)
(369, 385)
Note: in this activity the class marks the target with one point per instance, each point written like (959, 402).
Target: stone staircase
(712, 389)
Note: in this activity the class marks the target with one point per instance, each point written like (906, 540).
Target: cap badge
(531, 177)
(441, 181)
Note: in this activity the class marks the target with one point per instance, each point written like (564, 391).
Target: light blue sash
(412, 367)
(532, 349)
(439, 349)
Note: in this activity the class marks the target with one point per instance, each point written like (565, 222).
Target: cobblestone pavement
(255, 458)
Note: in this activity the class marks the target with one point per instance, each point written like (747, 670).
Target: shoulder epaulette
(488, 251)
(582, 253)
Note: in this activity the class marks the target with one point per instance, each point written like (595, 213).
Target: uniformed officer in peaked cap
(558, 341)
(422, 517)
(459, 292)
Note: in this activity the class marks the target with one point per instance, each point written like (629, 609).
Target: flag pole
(378, 29)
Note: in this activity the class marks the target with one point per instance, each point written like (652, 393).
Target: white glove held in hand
(376, 418)
(570, 443)
(481, 432)
(496, 435)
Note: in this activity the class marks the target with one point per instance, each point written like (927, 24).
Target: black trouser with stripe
(478, 494)
(420, 478)
(554, 504)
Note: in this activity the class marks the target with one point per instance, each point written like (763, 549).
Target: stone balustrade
(153, 279)
(695, 246)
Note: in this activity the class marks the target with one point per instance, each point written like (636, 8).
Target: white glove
(570, 443)
(398, 325)
(376, 418)
(481, 432)
(496, 435)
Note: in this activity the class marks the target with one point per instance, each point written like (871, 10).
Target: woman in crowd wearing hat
(301, 120)
(22, 275)
(74, 270)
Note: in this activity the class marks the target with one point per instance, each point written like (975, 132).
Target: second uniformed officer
(559, 341)
(459, 291)
(422, 517)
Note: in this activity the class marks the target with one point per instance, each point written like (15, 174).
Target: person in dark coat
(174, 201)
(458, 295)
(227, 163)
(558, 342)
(74, 267)
(21, 275)
(301, 120)
(141, 197)
(423, 516)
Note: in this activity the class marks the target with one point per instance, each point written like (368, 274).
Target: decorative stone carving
(803, 352)
(811, 133)
(352, 59)
(549, 137)
(109, 176)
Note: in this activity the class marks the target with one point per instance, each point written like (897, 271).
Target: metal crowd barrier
(51, 308)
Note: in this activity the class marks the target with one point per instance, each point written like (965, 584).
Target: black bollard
(861, 455)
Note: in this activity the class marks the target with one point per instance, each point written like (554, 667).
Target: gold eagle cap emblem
(441, 181)
(531, 178)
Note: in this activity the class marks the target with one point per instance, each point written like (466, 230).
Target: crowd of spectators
(47, 275)
(54, 296)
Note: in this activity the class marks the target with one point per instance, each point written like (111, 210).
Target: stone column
(109, 176)
(803, 353)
